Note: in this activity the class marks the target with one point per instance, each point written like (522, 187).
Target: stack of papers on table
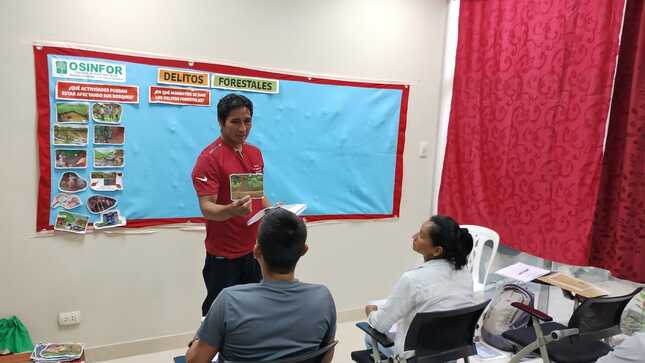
(574, 285)
(57, 352)
(523, 272)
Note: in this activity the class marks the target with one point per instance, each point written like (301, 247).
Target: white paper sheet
(293, 208)
(486, 352)
(522, 272)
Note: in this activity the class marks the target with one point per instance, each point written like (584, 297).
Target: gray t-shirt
(269, 320)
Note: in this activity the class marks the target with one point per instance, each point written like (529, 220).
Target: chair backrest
(441, 336)
(600, 317)
(315, 356)
(481, 235)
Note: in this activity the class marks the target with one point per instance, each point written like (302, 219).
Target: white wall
(138, 286)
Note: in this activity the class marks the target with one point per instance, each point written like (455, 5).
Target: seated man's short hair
(282, 239)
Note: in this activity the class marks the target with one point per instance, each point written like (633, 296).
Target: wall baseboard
(137, 347)
(350, 315)
(170, 342)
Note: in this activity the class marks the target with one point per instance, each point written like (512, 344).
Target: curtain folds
(531, 95)
(618, 239)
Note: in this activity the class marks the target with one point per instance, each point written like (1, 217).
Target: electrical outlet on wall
(423, 149)
(69, 318)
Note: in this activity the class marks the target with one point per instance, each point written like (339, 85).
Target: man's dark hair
(282, 239)
(229, 103)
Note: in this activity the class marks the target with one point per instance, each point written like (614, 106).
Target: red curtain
(530, 101)
(618, 237)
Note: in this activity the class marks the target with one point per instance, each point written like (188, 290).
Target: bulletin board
(123, 131)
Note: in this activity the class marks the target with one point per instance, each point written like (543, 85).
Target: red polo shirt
(231, 238)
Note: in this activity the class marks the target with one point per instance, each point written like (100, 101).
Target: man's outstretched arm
(220, 212)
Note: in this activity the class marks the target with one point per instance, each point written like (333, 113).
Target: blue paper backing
(332, 147)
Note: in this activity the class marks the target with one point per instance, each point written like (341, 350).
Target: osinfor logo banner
(89, 70)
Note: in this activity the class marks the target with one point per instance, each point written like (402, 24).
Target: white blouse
(433, 286)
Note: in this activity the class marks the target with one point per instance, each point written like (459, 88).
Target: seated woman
(441, 283)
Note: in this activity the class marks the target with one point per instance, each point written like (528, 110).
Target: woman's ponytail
(463, 244)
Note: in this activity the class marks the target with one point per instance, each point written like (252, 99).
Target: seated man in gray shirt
(275, 318)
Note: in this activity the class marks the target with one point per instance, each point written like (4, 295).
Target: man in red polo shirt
(229, 241)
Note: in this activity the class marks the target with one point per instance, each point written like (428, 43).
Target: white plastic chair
(481, 235)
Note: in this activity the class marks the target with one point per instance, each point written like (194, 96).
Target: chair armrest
(381, 338)
(531, 311)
